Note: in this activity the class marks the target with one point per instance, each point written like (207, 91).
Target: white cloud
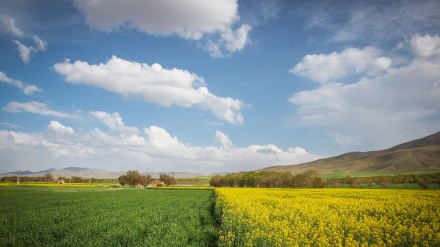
(31, 89)
(166, 146)
(194, 20)
(8, 23)
(33, 107)
(10, 125)
(57, 127)
(153, 150)
(27, 89)
(114, 122)
(41, 44)
(6, 79)
(399, 105)
(224, 140)
(231, 41)
(25, 51)
(323, 68)
(426, 46)
(153, 84)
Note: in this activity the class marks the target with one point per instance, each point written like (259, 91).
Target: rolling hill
(417, 156)
(93, 173)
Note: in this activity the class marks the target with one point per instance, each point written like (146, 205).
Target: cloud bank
(384, 109)
(152, 149)
(153, 84)
(323, 68)
(209, 22)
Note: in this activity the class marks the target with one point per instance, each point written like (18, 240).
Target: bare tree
(48, 177)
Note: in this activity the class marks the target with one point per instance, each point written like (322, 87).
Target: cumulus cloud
(426, 46)
(33, 107)
(223, 139)
(114, 122)
(153, 150)
(383, 110)
(57, 127)
(153, 84)
(323, 68)
(8, 25)
(231, 41)
(203, 21)
(27, 89)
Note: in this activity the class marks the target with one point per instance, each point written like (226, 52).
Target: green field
(92, 216)
(80, 215)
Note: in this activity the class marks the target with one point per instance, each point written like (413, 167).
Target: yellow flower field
(328, 217)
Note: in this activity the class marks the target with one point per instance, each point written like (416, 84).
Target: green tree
(215, 181)
(123, 180)
(333, 182)
(167, 179)
(424, 181)
(134, 178)
(305, 179)
(145, 180)
(354, 182)
(384, 181)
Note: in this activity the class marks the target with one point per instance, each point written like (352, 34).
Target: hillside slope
(417, 156)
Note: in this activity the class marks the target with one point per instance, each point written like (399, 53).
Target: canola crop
(327, 217)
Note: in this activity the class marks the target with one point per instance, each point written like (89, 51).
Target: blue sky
(212, 86)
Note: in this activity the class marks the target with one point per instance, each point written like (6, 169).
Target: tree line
(423, 180)
(135, 179)
(311, 179)
(131, 178)
(269, 179)
(49, 177)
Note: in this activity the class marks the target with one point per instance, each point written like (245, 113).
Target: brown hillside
(421, 155)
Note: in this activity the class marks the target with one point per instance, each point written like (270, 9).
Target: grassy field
(98, 216)
(81, 215)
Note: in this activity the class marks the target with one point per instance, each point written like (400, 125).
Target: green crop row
(90, 217)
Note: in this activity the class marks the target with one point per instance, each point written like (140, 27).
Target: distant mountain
(76, 169)
(93, 173)
(176, 174)
(417, 156)
(69, 172)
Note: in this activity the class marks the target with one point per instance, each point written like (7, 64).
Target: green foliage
(62, 216)
(404, 181)
(269, 179)
(167, 179)
(134, 178)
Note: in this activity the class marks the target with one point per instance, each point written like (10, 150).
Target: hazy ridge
(93, 173)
